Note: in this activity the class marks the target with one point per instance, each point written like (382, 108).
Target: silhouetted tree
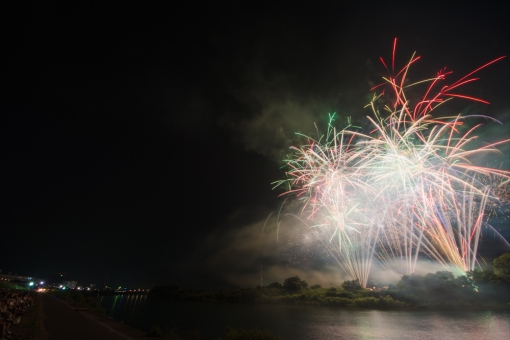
(502, 266)
(331, 292)
(351, 286)
(294, 284)
(483, 276)
(443, 275)
(275, 285)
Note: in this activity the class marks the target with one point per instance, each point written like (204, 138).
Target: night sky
(140, 142)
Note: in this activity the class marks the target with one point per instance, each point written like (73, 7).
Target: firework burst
(411, 186)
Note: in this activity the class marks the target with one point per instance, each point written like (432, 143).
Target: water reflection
(123, 307)
(412, 325)
(315, 323)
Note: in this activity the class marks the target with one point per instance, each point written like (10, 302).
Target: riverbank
(69, 315)
(434, 291)
(64, 320)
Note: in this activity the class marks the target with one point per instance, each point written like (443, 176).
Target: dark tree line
(440, 290)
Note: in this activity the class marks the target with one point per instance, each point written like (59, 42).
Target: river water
(308, 322)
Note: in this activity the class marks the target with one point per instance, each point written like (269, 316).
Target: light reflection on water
(123, 307)
(305, 322)
(366, 325)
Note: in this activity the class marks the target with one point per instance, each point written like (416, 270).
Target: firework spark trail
(409, 187)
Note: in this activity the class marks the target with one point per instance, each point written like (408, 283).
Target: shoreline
(312, 303)
(121, 329)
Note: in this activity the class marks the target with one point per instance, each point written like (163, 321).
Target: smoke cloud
(284, 247)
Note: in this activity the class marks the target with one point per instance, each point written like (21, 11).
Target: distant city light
(31, 284)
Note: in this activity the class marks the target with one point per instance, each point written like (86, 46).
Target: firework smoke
(413, 185)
